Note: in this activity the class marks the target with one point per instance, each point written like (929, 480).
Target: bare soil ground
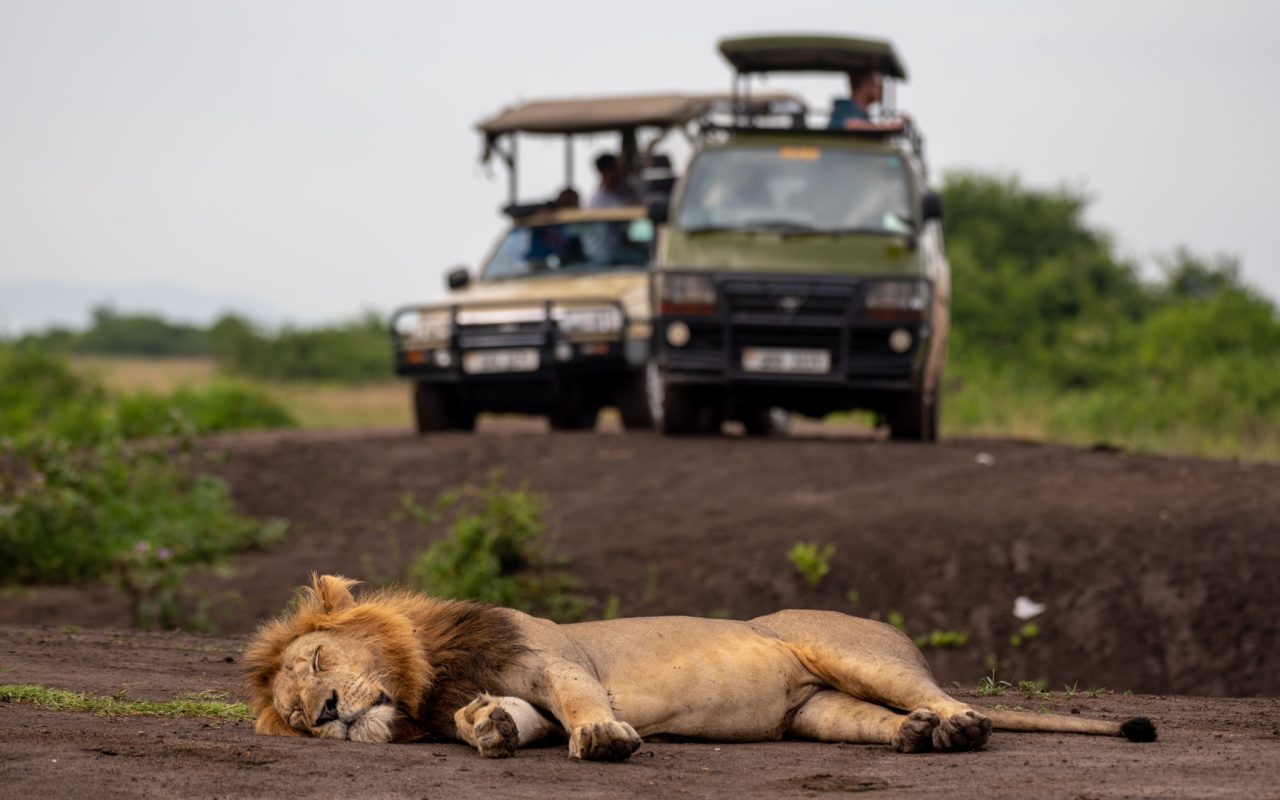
(1157, 574)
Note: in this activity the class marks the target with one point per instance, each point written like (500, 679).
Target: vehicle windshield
(797, 189)
(572, 246)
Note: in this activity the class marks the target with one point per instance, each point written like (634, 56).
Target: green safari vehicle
(801, 266)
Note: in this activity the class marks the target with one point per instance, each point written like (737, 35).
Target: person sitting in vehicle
(614, 190)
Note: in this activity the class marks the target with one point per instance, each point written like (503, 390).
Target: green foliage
(204, 704)
(114, 334)
(939, 639)
(989, 686)
(225, 405)
(1054, 337)
(79, 503)
(1026, 633)
(897, 620)
(812, 562)
(494, 553)
(68, 514)
(354, 352)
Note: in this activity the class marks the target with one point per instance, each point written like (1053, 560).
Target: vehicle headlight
(897, 299)
(423, 327)
(683, 295)
(606, 319)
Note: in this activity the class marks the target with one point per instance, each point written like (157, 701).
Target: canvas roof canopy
(812, 54)
(594, 115)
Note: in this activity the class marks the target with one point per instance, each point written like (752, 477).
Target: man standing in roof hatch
(865, 87)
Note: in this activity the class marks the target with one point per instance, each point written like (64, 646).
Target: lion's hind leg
(496, 726)
(831, 716)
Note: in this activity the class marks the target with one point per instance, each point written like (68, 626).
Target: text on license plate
(778, 359)
(520, 359)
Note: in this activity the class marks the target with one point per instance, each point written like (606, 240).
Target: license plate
(778, 359)
(521, 359)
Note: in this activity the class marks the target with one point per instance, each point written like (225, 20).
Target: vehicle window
(797, 188)
(577, 246)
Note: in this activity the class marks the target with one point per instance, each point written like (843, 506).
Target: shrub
(811, 562)
(494, 554)
(226, 405)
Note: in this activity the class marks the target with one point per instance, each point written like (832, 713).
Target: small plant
(938, 639)
(989, 686)
(1025, 634)
(1034, 689)
(897, 620)
(493, 552)
(812, 562)
(612, 607)
(1071, 690)
(854, 597)
(719, 613)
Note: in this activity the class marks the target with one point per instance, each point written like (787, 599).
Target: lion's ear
(269, 723)
(332, 592)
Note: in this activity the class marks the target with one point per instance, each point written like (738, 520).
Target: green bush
(355, 352)
(226, 405)
(813, 563)
(68, 514)
(494, 554)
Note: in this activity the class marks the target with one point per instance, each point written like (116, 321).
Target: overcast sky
(319, 158)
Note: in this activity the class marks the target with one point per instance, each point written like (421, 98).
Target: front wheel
(633, 403)
(439, 408)
(914, 418)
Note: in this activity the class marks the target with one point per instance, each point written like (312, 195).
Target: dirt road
(1156, 575)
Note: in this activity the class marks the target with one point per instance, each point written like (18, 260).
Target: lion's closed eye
(315, 659)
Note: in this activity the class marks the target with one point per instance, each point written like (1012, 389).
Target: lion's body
(399, 666)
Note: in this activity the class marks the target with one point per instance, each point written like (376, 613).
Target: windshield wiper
(762, 226)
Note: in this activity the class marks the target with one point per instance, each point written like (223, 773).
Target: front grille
(788, 299)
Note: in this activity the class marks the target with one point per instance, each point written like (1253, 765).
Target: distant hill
(27, 306)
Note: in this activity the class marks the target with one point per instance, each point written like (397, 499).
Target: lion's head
(338, 669)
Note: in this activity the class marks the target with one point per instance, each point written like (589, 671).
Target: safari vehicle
(558, 319)
(802, 268)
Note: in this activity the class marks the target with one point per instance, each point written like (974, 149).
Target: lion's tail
(1135, 729)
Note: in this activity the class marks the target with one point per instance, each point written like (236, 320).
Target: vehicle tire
(765, 421)
(439, 408)
(633, 403)
(914, 418)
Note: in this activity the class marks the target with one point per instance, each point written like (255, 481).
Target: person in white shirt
(614, 190)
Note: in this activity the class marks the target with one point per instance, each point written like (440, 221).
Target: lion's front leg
(581, 703)
(496, 726)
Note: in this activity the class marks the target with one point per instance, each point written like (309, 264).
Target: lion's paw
(485, 724)
(915, 734)
(603, 741)
(967, 730)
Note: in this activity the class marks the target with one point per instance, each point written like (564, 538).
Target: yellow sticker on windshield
(800, 153)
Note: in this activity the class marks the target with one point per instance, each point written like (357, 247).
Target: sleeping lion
(399, 666)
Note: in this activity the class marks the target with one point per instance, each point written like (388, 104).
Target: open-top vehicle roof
(597, 114)
(553, 216)
(801, 53)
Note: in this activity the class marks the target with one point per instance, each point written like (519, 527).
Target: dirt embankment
(1155, 572)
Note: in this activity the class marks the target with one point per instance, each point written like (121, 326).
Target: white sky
(319, 158)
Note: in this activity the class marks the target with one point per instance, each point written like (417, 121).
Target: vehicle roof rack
(811, 53)
(599, 114)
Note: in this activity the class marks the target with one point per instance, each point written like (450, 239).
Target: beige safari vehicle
(557, 319)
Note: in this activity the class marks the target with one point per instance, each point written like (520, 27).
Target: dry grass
(314, 405)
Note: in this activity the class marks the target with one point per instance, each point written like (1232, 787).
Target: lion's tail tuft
(1138, 729)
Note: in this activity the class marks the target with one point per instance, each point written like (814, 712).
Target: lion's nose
(330, 711)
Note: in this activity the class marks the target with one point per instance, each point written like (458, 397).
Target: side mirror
(931, 206)
(458, 278)
(658, 211)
